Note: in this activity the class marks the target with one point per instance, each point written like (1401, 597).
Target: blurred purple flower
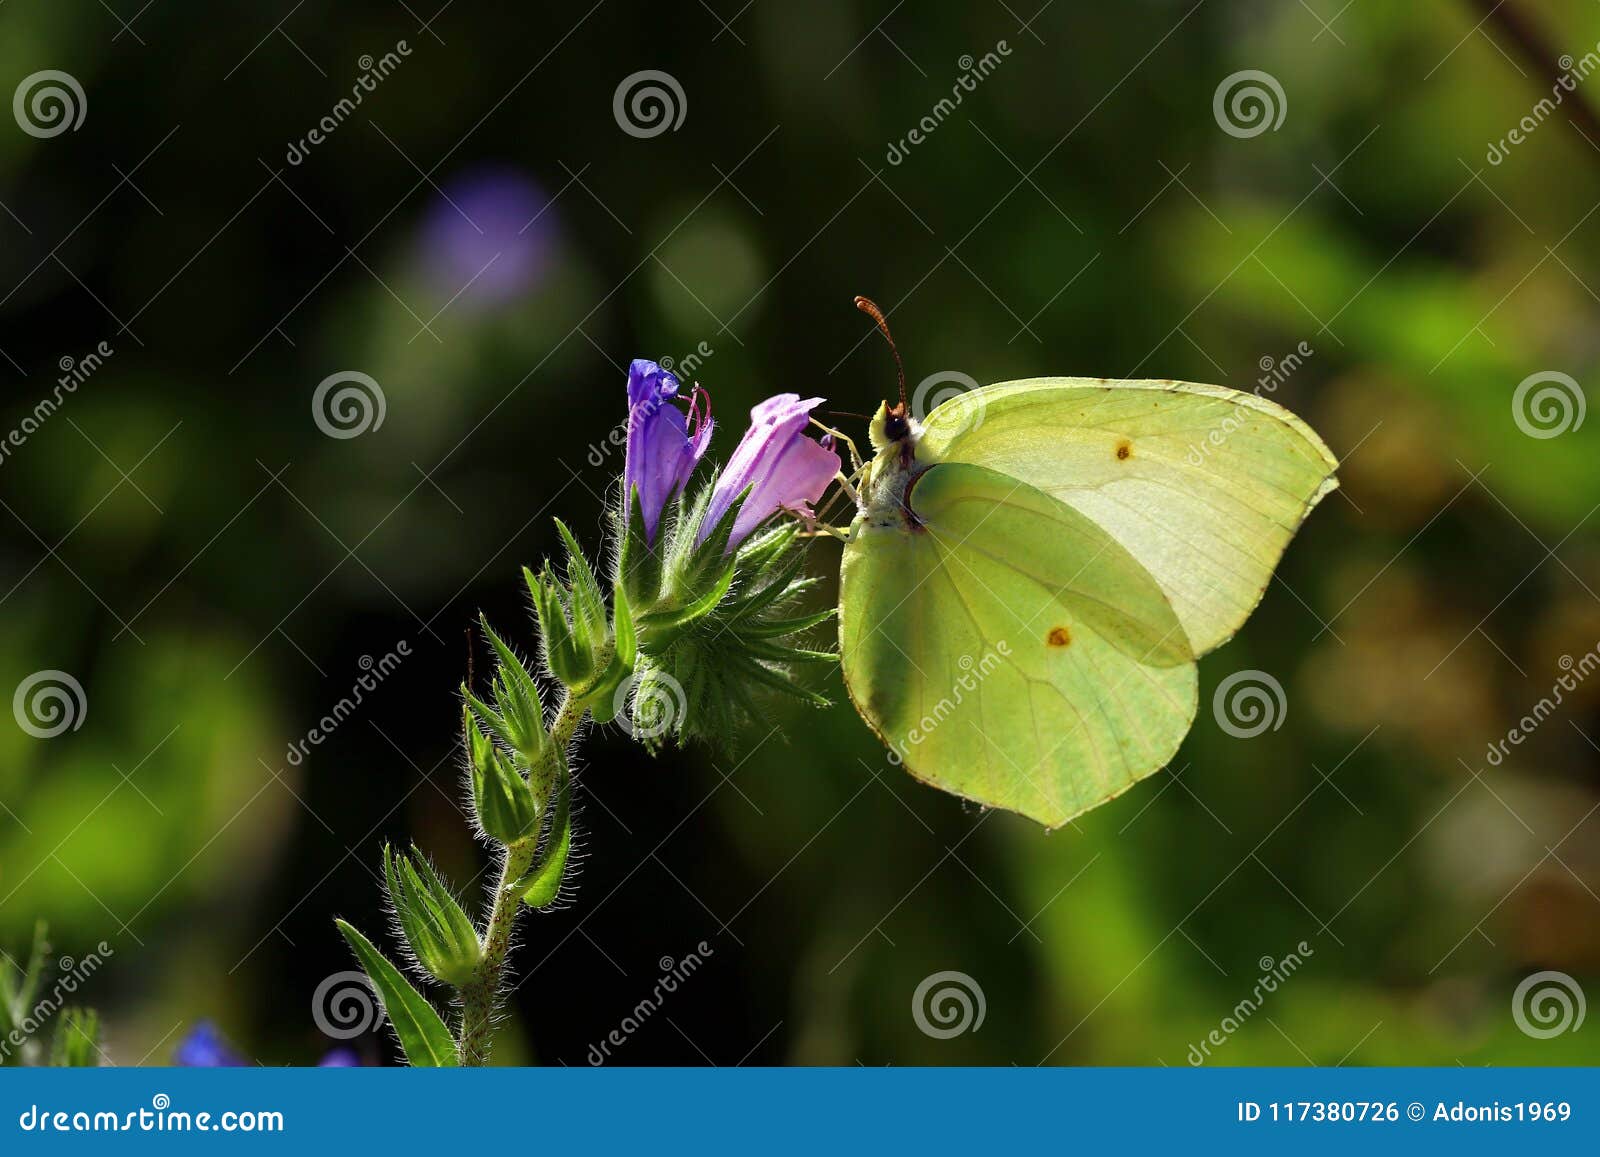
(664, 441)
(488, 238)
(783, 468)
(203, 1047)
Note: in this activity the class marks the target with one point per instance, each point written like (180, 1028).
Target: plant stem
(480, 995)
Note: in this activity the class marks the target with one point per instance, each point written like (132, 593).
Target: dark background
(183, 540)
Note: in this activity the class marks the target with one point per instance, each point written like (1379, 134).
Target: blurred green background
(482, 238)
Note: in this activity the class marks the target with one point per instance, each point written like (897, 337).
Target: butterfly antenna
(869, 307)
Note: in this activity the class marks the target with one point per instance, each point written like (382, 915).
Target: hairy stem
(481, 994)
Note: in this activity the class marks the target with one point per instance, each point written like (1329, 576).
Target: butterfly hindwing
(1010, 650)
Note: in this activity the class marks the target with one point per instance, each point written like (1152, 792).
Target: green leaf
(423, 1035)
(542, 885)
(75, 1045)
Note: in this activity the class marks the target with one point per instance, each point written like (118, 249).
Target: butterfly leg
(855, 455)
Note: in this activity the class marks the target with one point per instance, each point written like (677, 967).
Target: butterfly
(1035, 568)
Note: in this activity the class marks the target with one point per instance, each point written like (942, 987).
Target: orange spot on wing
(1124, 450)
(1058, 637)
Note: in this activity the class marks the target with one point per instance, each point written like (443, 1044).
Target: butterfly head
(893, 426)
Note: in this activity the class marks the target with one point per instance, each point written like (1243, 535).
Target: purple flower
(783, 469)
(664, 441)
(203, 1047)
(488, 238)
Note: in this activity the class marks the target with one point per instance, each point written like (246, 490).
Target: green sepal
(776, 628)
(588, 601)
(439, 932)
(424, 1039)
(76, 1041)
(638, 562)
(602, 700)
(564, 653)
(506, 804)
(542, 885)
(520, 713)
(663, 628)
